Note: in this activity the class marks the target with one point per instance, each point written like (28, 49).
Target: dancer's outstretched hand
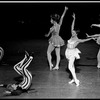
(66, 8)
(73, 15)
(91, 25)
(94, 38)
(1, 85)
(46, 35)
(94, 25)
(87, 35)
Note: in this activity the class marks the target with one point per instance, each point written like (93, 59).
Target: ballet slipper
(51, 66)
(98, 66)
(77, 82)
(1, 85)
(56, 68)
(72, 81)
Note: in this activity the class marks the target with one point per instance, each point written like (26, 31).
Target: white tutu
(69, 53)
(98, 40)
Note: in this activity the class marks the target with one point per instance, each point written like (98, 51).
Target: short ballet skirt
(70, 53)
(56, 40)
(98, 40)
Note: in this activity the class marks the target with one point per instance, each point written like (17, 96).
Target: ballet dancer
(1, 53)
(21, 69)
(97, 39)
(55, 41)
(72, 52)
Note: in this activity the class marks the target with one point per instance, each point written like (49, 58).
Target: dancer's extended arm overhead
(73, 23)
(61, 19)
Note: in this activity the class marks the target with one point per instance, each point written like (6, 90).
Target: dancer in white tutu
(97, 39)
(72, 52)
(55, 41)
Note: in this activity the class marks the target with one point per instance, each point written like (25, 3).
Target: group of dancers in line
(55, 42)
(71, 52)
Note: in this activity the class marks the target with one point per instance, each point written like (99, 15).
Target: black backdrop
(32, 20)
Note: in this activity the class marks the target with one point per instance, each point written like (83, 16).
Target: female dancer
(55, 41)
(97, 39)
(21, 68)
(72, 52)
(1, 53)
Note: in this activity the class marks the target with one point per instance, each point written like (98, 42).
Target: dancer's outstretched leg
(27, 77)
(18, 66)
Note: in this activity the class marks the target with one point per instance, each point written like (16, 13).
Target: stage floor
(54, 84)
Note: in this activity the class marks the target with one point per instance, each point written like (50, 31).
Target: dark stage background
(31, 21)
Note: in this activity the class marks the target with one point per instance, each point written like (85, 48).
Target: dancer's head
(55, 18)
(12, 87)
(75, 33)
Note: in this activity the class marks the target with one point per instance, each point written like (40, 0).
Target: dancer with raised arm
(55, 41)
(72, 52)
(21, 69)
(97, 39)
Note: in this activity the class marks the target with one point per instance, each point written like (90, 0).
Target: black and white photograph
(50, 49)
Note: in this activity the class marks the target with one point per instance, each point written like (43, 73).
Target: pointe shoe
(1, 85)
(77, 82)
(98, 66)
(51, 67)
(72, 81)
(56, 68)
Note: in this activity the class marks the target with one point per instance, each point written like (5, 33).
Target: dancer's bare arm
(61, 19)
(95, 35)
(84, 40)
(73, 23)
(51, 29)
(97, 25)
